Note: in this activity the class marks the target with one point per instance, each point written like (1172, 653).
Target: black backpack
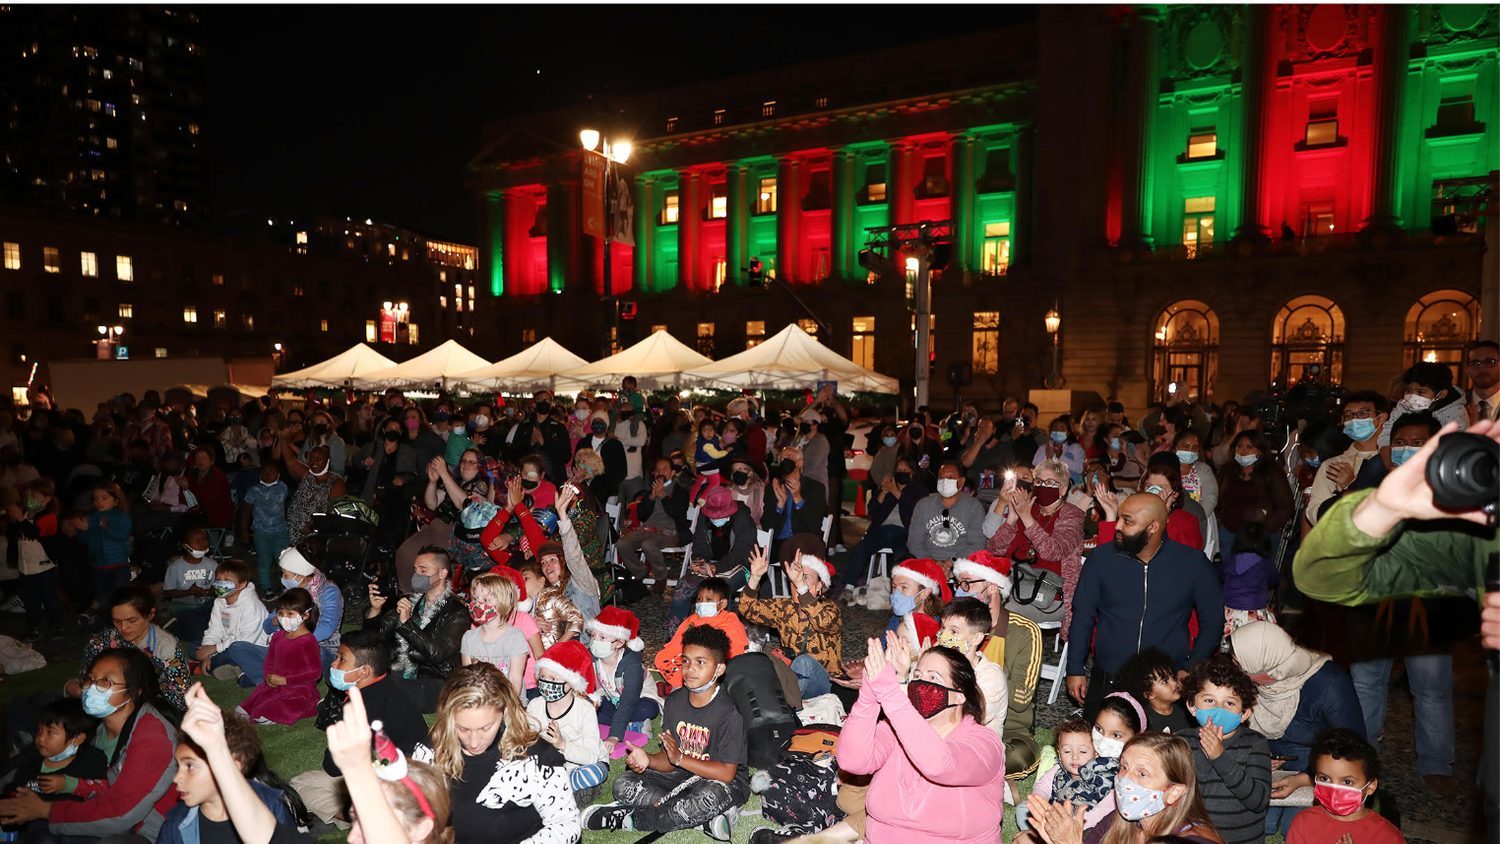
(752, 684)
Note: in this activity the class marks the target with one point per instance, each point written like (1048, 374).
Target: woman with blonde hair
(1156, 794)
(507, 784)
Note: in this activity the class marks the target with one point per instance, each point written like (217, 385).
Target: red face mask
(928, 698)
(1341, 800)
(1046, 496)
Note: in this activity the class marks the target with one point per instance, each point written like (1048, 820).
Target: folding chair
(686, 550)
(1055, 672)
(880, 561)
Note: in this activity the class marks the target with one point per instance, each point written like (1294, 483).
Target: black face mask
(1131, 543)
(902, 478)
(543, 408)
(320, 430)
(679, 468)
(530, 484)
(391, 436)
(805, 427)
(740, 478)
(787, 466)
(597, 428)
(915, 434)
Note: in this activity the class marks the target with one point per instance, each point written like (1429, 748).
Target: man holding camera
(1410, 538)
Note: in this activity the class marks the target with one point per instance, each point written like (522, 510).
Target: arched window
(1185, 350)
(1439, 326)
(1308, 332)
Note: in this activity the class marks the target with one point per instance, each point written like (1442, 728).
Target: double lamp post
(614, 152)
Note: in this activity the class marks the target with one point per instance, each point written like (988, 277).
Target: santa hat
(983, 565)
(391, 765)
(616, 623)
(820, 567)
(570, 660)
(926, 573)
(920, 627)
(513, 576)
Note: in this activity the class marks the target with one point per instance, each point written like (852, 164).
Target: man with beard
(1138, 592)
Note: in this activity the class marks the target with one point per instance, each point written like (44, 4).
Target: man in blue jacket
(1137, 593)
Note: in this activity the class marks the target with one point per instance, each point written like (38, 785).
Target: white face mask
(319, 474)
(290, 625)
(706, 609)
(198, 555)
(1107, 747)
(1416, 403)
(947, 487)
(601, 648)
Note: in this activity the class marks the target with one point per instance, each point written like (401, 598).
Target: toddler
(1080, 776)
(1249, 575)
(1150, 677)
(289, 691)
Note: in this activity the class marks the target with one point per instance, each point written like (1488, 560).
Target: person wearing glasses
(1484, 381)
(1364, 417)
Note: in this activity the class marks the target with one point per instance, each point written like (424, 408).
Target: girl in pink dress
(289, 691)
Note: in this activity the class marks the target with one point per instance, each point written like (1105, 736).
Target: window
(220, 318)
(190, 314)
(247, 322)
(721, 271)
(1197, 224)
(718, 117)
(934, 177)
(528, 336)
(808, 325)
(875, 183)
(768, 108)
(390, 249)
(718, 203)
(1203, 143)
(765, 199)
(1185, 351)
(671, 125)
(442, 303)
(995, 259)
(471, 296)
(371, 332)
(161, 351)
(126, 311)
(1318, 221)
(111, 143)
(12, 256)
(88, 264)
(51, 259)
(1456, 114)
(412, 334)
(706, 339)
(862, 344)
(658, 327)
(218, 279)
(820, 102)
(986, 342)
(124, 268)
(1308, 332)
(297, 291)
(1322, 132)
(669, 207)
(755, 333)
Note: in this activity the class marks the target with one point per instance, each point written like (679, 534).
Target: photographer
(1398, 541)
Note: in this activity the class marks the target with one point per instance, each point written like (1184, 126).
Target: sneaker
(607, 816)
(15, 604)
(769, 835)
(227, 673)
(721, 827)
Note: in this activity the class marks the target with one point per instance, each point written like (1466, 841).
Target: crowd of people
(512, 537)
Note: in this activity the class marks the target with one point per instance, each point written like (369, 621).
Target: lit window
(718, 206)
(220, 318)
(768, 108)
(996, 255)
(1197, 224)
(862, 344)
(390, 249)
(161, 351)
(218, 279)
(247, 322)
(111, 143)
(12, 256)
(471, 294)
(88, 264)
(371, 332)
(190, 314)
(986, 342)
(124, 268)
(51, 259)
(820, 102)
(1322, 132)
(1319, 221)
(126, 311)
(765, 200)
(706, 338)
(755, 333)
(297, 291)
(875, 183)
(671, 124)
(721, 271)
(718, 117)
(442, 276)
(528, 336)
(669, 207)
(458, 291)
(1203, 145)
(193, 129)
(443, 303)
(94, 105)
(659, 327)
(412, 334)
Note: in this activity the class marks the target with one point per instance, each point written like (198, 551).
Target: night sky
(373, 111)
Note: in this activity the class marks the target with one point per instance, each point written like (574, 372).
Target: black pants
(1100, 684)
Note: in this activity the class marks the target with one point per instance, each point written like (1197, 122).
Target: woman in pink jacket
(938, 772)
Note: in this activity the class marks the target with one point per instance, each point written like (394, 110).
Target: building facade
(1212, 197)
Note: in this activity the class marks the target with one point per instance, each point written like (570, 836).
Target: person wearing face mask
(800, 502)
(809, 624)
(59, 756)
(263, 510)
(890, 511)
(1300, 693)
(949, 523)
(1156, 794)
(288, 691)
(920, 446)
(965, 628)
(1347, 773)
(1364, 417)
(539, 434)
(935, 771)
(187, 587)
(632, 432)
(746, 483)
(323, 430)
(712, 602)
(389, 456)
(1138, 592)
(426, 629)
(599, 439)
(236, 615)
(1429, 388)
(119, 688)
(722, 541)
(236, 439)
(296, 573)
(626, 703)
(1198, 481)
(1253, 488)
(660, 522)
(314, 483)
(578, 421)
(1062, 446)
(564, 715)
(1163, 480)
(1039, 527)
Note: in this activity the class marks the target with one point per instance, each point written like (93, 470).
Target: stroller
(351, 553)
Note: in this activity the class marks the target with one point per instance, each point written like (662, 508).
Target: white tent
(791, 360)
(534, 369)
(352, 363)
(439, 365)
(657, 363)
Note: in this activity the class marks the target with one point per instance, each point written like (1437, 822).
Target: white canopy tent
(657, 363)
(440, 365)
(791, 360)
(534, 369)
(352, 363)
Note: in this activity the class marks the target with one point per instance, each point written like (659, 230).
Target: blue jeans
(1431, 679)
(191, 623)
(645, 710)
(39, 592)
(812, 677)
(268, 547)
(1279, 819)
(878, 537)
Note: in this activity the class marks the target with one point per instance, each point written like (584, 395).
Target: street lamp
(614, 152)
(1053, 321)
(109, 337)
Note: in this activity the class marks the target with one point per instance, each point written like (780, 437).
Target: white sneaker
(227, 673)
(721, 827)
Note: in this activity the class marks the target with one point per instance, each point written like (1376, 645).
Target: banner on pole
(593, 194)
(622, 210)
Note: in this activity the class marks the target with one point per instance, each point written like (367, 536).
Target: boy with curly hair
(1233, 761)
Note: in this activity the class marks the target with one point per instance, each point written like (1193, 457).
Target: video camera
(1464, 473)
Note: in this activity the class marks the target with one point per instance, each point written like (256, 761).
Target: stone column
(563, 241)
(735, 223)
(788, 219)
(493, 248)
(965, 255)
(645, 232)
(1025, 214)
(843, 246)
(1390, 80)
(900, 184)
(689, 229)
(1141, 96)
(1253, 89)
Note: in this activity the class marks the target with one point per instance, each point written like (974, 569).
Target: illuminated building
(1135, 164)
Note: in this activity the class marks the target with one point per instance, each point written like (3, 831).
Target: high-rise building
(103, 110)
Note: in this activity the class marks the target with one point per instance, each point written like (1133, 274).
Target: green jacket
(1341, 564)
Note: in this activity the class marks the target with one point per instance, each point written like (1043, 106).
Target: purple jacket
(1248, 578)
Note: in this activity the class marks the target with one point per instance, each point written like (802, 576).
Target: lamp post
(614, 152)
(1053, 321)
(109, 337)
(280, 356)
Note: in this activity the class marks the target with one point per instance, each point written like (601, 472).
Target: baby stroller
(351, 553)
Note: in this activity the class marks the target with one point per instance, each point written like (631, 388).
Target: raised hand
(898, 653)
(874, 658)
(204, 720)
(760, 562)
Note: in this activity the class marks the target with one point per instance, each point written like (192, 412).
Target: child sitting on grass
(494, 639)
(1150, 677)
(238, 615)
(1346, 771)
(60, 755)
(1080, 777)
(186, 587)
(289, 691)
(565, 716)
(1232, 760)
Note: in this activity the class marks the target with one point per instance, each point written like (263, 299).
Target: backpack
(814, 739)
(802, 794)
(753, 685)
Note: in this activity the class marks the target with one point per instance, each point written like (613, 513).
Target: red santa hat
(820, 567)
(982, 565)
(928, 574)
(617, 623)
(920, 627)
(570, 660)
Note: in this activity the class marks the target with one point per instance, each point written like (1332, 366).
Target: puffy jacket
(137, 791)
(181, 824)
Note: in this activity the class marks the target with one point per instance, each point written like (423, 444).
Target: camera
(1464, 473)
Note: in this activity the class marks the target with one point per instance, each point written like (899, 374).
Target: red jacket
(137, 791)
(1182, 527)
(212, 492)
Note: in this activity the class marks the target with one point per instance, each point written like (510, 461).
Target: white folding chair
(612, 512)
(881, 561)
(1056, 672)
(827, 527)
(686, 549)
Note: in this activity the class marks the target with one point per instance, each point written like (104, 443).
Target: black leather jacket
(433, 649)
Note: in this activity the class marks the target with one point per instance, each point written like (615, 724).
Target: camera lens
(1464, 472)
